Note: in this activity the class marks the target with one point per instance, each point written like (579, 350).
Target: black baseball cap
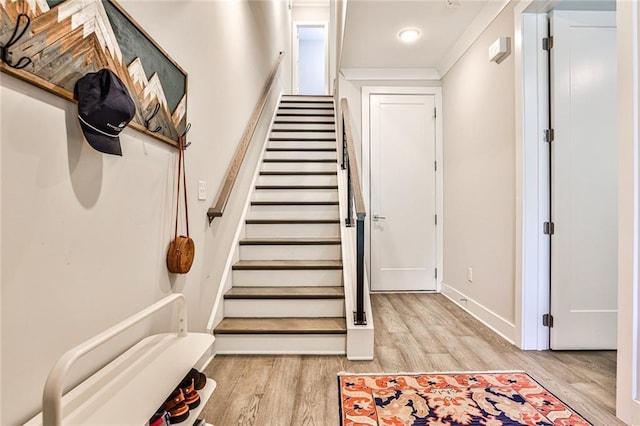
(104, 109)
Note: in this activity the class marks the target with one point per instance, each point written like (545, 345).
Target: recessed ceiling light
(409, 35)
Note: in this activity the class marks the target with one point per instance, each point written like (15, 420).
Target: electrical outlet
(470, 274)
(202, 190)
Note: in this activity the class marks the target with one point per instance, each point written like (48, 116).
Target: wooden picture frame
(62, 40)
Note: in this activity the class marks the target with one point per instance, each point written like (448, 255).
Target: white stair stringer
(287, 294)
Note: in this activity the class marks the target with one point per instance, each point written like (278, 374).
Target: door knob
(377, 217)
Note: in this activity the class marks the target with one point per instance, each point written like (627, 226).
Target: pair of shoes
(184, 398)
(176, 406)
(199, 379)
(191, 395)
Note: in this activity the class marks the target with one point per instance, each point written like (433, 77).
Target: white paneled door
(403, 193)
(584, 172)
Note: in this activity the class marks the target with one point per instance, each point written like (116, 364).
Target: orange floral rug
(439, 399)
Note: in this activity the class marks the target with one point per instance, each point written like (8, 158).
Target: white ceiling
(372, 50)
(372, 26)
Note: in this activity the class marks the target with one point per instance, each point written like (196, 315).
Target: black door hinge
(547, 320)
(548, 228)
(549, 135)
(547, 43)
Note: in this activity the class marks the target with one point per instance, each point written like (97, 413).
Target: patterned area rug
(439, 399)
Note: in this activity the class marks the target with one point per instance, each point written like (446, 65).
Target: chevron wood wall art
(66, 39)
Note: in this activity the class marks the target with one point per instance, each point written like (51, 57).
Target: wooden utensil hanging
(182, 249)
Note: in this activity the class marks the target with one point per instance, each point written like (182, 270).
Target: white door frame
(532, 180)
(531, 288)
(296, 53)
(365, 157)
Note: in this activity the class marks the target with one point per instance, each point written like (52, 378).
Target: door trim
(532, 260)
(365, 155)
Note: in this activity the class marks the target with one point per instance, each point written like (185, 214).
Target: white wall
(479, 178)
(310, 13)
(88, 232)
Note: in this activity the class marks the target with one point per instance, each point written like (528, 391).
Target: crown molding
(390, 73)
(491, 10)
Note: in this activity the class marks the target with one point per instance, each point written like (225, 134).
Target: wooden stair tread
(298, 187)
(295, 203)
(330, 121)
(302, 114)
(294, 141)
(328, 108)
(290, 221)
(290, 241)
(282, 326)
(313, 292)
(303, 130)
(299, 160)
(294, 173)
(286, 265)
(310, 101)
(302, 150)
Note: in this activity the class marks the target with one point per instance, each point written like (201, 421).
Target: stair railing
(217, 210)
(354, 200)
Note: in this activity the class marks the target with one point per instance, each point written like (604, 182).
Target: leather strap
(181, 174)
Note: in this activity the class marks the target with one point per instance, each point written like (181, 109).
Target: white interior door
(584, 176)
(403, 193)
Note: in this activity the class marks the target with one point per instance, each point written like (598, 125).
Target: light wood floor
(414, 333)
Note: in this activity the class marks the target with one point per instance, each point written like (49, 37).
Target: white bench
(130, 389)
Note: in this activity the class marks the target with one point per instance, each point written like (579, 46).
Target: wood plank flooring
(414, 333)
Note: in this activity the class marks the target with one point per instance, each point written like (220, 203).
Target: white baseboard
(489, 318)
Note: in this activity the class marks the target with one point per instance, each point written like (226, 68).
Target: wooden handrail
(223, 196)
(353, 162)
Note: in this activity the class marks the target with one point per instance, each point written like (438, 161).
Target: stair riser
(304, 126)
(299, 167)
(308, 104)
(308, 98)
(293, 212)
(288, 230)
(298, 180)
(277, 308)
(306, 112)
(301, 155)
(293, 252)
(274, 344)
(307, 119)
(309, 136)
(302, 144)
(295, 195)
(286, 278)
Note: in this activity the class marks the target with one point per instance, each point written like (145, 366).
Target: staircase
(287, 294)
